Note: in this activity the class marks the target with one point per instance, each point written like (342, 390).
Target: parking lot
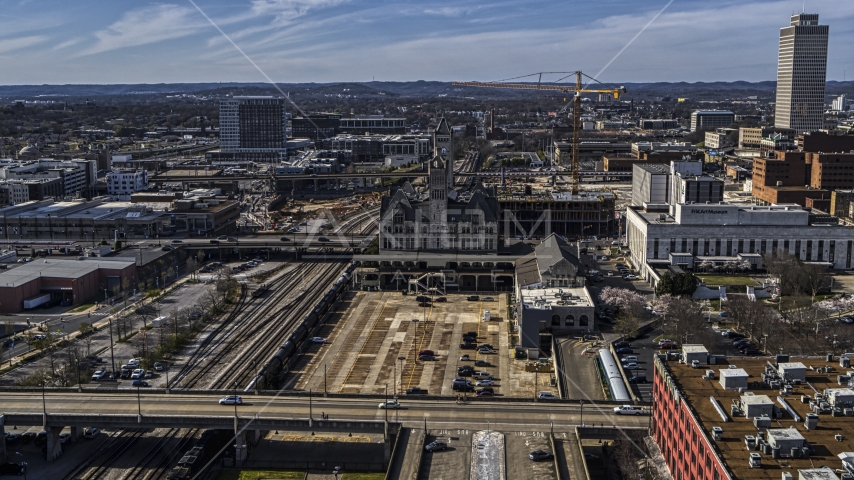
(455, 461)
(644, 348)
(451, 463)
(375, 339)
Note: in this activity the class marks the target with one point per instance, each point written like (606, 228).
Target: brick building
(69, 281)
(792, 177)
(728, 427)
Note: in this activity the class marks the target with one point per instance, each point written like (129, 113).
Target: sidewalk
(34, 329)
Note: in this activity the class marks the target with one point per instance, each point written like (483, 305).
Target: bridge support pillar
(3, 435)
(240, 449)
(76, 433)
(54, 447)
(256, 437)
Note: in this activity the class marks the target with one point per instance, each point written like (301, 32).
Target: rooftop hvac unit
(755, 460)
(717, 433)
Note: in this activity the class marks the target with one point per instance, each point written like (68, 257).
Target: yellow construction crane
(576, 106)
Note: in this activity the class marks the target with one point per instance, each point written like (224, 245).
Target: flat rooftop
(732, 448)
(51, 268)
(547, 298)
(93, 210)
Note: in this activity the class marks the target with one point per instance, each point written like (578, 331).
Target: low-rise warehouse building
(69, 282)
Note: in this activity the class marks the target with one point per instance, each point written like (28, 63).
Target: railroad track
(157, 460)
(276, 328)
(230, 332)
(114, 447)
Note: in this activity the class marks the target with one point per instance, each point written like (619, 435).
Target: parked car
(468, 346)
(139, 383)
(441, 299)
(427, 352)
(538, 455)
(465, 358)
(10, 468)
(546, 396)
(485, 350)
(473, 298)
(629, 359)
(482, 376)
(624, 350)
(435, 446)
(484, 383)
(426, 358)
(638, 378)
(318, 340)
(416, 391)
(158, 367)
(469, 338)
(91, 433)
(99, 375)
(488, 299)
(485, 392)
(631, 366)
(231, 400)
(482, 363)
(621, 344)
(422, 298)
(138, 373)
(628, 410)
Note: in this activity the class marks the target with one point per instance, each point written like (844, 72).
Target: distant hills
(419, 88)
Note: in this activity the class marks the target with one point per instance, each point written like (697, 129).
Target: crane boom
(576, 89)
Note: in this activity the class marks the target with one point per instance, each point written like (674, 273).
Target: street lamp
(401, 358)
(138, 401)
(235, 404)
(415, 345)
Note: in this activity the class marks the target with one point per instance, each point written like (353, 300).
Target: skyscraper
(801, 74)
(253, 128)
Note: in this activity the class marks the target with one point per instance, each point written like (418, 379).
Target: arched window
(570, 320)
(582, 321)
(556, 320)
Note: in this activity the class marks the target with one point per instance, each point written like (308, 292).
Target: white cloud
(452, 11)
(285, 11)
(147, 25)
(17, 43)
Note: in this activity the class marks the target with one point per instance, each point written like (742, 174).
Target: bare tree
(87, 335)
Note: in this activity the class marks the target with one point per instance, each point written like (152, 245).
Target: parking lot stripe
(364, 339)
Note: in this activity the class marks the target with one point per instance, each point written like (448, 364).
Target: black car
(427, 358)
(416, 391)
(434, 446)
(538, 455)
(322, 239)
(482, 363)
(473, 298)
(468, 346)
(422, 298)
(13, 438)
(459, 387)
(13, 468)
(637, 379)
(469, 338)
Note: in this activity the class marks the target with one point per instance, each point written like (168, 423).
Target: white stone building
(126, 182)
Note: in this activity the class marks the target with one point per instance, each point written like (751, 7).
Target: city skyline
(336, 40)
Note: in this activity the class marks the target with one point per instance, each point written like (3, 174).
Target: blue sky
(99, 41)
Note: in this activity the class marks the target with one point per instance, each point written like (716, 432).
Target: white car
(133, 362)
(138, 373)
(391, 405)
(318, 340)
(615, 242)
(231, 400)
(628, 410)
(99, 375)
(158, 366)
(629, 359)
(631, 277)
(546, 396)
(484, 383)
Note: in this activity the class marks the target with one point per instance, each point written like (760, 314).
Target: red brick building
(69, 281)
